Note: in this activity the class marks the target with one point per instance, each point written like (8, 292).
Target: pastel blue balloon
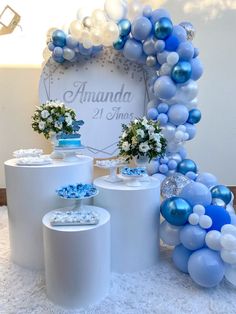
(207, 179)
(187, 165)
(163, 168)
(197, 69)
(178, 114)
(194, 116)
(181, 72)
(180, 33)
(141, 28)
(51, 46)
(124, 27)
(196, 193)
(147, 11)
(183, 152)
(192, 237)
(206, 268)
(152, 113)
(185, 51)
(162, 57)
(58, 52)
(162, 108)
(172, 164)
(191, 130)
(176, 210)
(71, 42)
(164, 160)
(222, 192)
(162, 118)
(163, 28)
(158, 14)
(133, 50)
(84, 51)
(119, 44)
(164, 88)
(58, 59)
(159, 46)
(172, 43)
(59, 38)
(191, 175)
(233, 219)
(181, 257)
(149, 46)
(97, 49)
(219, 217)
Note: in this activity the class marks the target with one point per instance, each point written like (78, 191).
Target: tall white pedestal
(30, 195)
(134, 222)
(77, 261)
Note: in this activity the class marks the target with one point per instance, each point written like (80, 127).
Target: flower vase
(142, 162)
(54, 141)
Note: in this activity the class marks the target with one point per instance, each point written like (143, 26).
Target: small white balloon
(82, 13)
(228, 256)
(165, 69)
(76, 29)
(96, 36)
(116, 9)
(179, 135)
(228, 242)
(205, 221)
(112, 31)
(186, 136)
(229, 229)
(172, 58)
(135, 9)
(193, 219)
(85, 36)
(181, 128)
(213, 240)
(199, 209)
(98, 18)
(68, 53)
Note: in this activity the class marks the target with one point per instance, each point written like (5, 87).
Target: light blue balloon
(206, 268)
(181, 72)
(51, 46)
(186, 51)
(207, 179)
(152, 113)
(147, 11)
(141, 28)
(158, 14)
(163, 168)
(183, 152)
(162, 108)
(84, 51)
(162, 57)
(196, 193)
(197, 69)
(181, 257)
(172, 164)
(71, 42)
(192, 237)
(191, 130)
(58, 52)
(160, 46)
(164, 160)
(164, 87)
(162, 118)
(163, 28)
(149, 46)
(178, 114)
(58, 59)
(124, 27)
(133, 50)
(191, 175)
(180, 33)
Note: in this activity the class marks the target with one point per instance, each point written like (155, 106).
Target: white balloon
(165, 69)
(205, 221)
(172, 58)
(229, 229)
(228, 256)
(68, 53)
(169, 233)
(85, 36)
(230, 273)
(76, 29)
(152, 167)
(135, 9)
(228, 242)
(96, 36)
(213, 240)
(199, 209)
(169, 131)
(116, 9)
(179, 135)
(98, 18)
(112, 31)
(193, 219)
(82, 13)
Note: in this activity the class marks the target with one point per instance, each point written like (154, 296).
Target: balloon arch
(200, 222)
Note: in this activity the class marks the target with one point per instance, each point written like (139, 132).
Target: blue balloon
(97, 49)
(192, 237)
(183, 153)
(178, 114)
(163, 168)
(219, 217)
(197, 69)
(119, 44)
(162, 118)
(141, 28)
(58, 52)
(158, 14)
(51, 46)
(206, 268)
(172, 164)
(164, 160)
(196, 193)
(164, 88)
(84, 51)
(191, 175)
(163, 28)
(222, 192)
(149, 47)
(207, 179)
(194, 116)
(176, 210)
(71, 42)
(185, 51)
(172, 43)
(196, 52)
(58, 59)
(191, 130)
(181, 257)
(181, 72)
(180, 33)
(152, 113)
(59, 38)
(124, 27)
(162, 108)
(133, 49)
(187, 165)
(160, 46)
(147, 11)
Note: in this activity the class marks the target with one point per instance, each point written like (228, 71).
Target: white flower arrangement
(53, 117)
(142, 137)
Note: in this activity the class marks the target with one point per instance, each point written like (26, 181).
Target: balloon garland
(200, 222)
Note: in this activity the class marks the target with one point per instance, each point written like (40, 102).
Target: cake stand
(111, 165)
(69, 153)
(134, 174)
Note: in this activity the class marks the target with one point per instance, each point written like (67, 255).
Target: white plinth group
(78, 259)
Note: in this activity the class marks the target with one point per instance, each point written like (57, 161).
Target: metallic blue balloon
(187, 165)
(194, 116)
(124, 27)
(176, 210)
(181, 72)
(222, 192)
(59, 38)
(163, 28)
(119, 44)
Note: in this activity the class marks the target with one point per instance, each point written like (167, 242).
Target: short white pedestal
(134, 223)
(30, 195)
(77, 261)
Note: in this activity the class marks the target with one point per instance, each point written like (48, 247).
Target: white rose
(136, 121)
(144, 147)
(45, 114)
(145, 122)
(155, 136)
(124, 134)
(42, 125)
(151, 129)
(68, 120)
(125, 146)
(49, 119)
(58, 125)
(140, 133)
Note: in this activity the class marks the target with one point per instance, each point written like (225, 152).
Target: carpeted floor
(161, 289)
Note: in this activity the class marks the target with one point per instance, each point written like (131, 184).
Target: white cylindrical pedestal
(77, 261)
(134, 222)
(31, 193)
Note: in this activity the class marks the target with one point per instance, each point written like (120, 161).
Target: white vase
(54, 142)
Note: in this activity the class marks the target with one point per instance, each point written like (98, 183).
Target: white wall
(213, 148)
